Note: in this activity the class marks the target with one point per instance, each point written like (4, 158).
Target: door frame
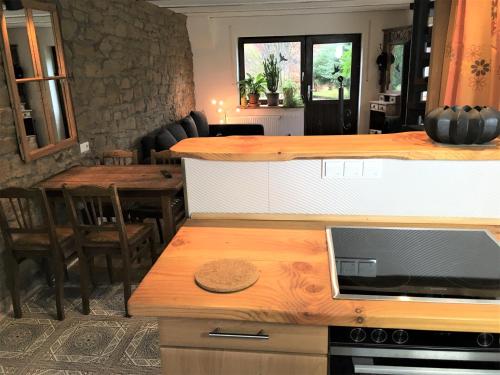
(303, 39)
(311, 40)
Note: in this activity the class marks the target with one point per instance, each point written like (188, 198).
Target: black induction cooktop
(459, 265)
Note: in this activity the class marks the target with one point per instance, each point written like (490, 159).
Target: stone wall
(131, 71)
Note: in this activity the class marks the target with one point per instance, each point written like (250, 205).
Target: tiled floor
(104, 342)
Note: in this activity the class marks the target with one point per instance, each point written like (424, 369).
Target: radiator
(270, 122)
(287, 124)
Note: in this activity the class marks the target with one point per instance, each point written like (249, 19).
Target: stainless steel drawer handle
(258, 336)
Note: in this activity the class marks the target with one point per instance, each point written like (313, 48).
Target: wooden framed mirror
(397, 46)
(37, 78)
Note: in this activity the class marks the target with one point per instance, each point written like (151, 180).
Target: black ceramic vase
(463, 125)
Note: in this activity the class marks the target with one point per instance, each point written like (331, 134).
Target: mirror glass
(396, 68)
(57, 110)
(19, 44)
(46, 42)
(33, 114)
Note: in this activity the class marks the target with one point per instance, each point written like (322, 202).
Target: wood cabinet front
(183, 361)
(220, 347)
(241, 335)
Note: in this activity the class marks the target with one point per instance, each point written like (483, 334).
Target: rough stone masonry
(131, 70)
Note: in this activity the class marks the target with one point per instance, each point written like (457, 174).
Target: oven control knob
(358, 334)
(484, 340)
(400, 336)
(378, 336)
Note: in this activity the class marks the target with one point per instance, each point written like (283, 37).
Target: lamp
(219, 104)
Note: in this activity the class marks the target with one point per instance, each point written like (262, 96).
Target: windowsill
(265, 106)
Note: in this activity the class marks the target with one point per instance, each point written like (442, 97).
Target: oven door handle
(398, 370)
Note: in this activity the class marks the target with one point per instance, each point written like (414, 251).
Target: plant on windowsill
(290, 97)
(254, 87)
(243, 93)
(272, 75)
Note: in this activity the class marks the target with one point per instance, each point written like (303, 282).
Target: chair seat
(41, 239)
(134, 233)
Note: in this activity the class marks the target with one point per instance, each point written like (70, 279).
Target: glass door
(332, 62)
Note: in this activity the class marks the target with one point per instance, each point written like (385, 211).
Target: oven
(378, 351)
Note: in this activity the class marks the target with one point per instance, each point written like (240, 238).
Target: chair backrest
(25, 211)
(86, 206)
(162, 157)
(119, 157)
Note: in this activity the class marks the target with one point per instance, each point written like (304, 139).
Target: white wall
(435, 188)
(214, 44)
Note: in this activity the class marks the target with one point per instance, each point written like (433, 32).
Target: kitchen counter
(407, 146)
(294, 285)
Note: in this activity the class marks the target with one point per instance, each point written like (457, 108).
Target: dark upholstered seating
(189, 127)
(193, 125)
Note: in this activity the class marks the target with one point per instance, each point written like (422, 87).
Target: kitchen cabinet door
(176, 361)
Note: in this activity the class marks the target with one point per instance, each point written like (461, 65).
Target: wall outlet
(372, 169)
(351, 168)
(84, 147)
(333, 169)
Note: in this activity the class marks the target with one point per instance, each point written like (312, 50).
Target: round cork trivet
(226, 275)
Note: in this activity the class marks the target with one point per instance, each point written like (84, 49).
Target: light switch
(333, 168)
(353, 168)
(372, 169)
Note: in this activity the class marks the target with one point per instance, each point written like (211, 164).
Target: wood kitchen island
(291, 302)
(280, 324)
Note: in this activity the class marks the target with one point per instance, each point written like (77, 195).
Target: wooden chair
(95, 235)
(163, 157)
(144, 211)
(31, 233)
(119, 157)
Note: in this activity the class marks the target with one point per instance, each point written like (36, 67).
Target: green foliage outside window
(325, 58)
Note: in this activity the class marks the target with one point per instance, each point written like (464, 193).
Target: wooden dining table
(144, 183)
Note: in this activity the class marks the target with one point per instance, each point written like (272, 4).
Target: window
(253, 51)
(36, 76)
(326, 58)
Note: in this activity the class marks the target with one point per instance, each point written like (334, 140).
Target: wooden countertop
(409, 145)
(294, 286)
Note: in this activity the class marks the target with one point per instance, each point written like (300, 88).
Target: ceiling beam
(233, 7)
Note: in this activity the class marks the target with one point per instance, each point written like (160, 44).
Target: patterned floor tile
(52, 371)
(43, 300)
(6, 370)
(144, 348)
(104, 342)
(20, 338)
(88, 341)
(106, 300)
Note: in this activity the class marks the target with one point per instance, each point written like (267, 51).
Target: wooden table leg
(168, 218)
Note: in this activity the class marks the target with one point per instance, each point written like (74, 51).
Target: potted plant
(243, 93)
(272, 75)
(290, 97)
(254, 87)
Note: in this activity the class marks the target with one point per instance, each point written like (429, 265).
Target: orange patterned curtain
(471, 71)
